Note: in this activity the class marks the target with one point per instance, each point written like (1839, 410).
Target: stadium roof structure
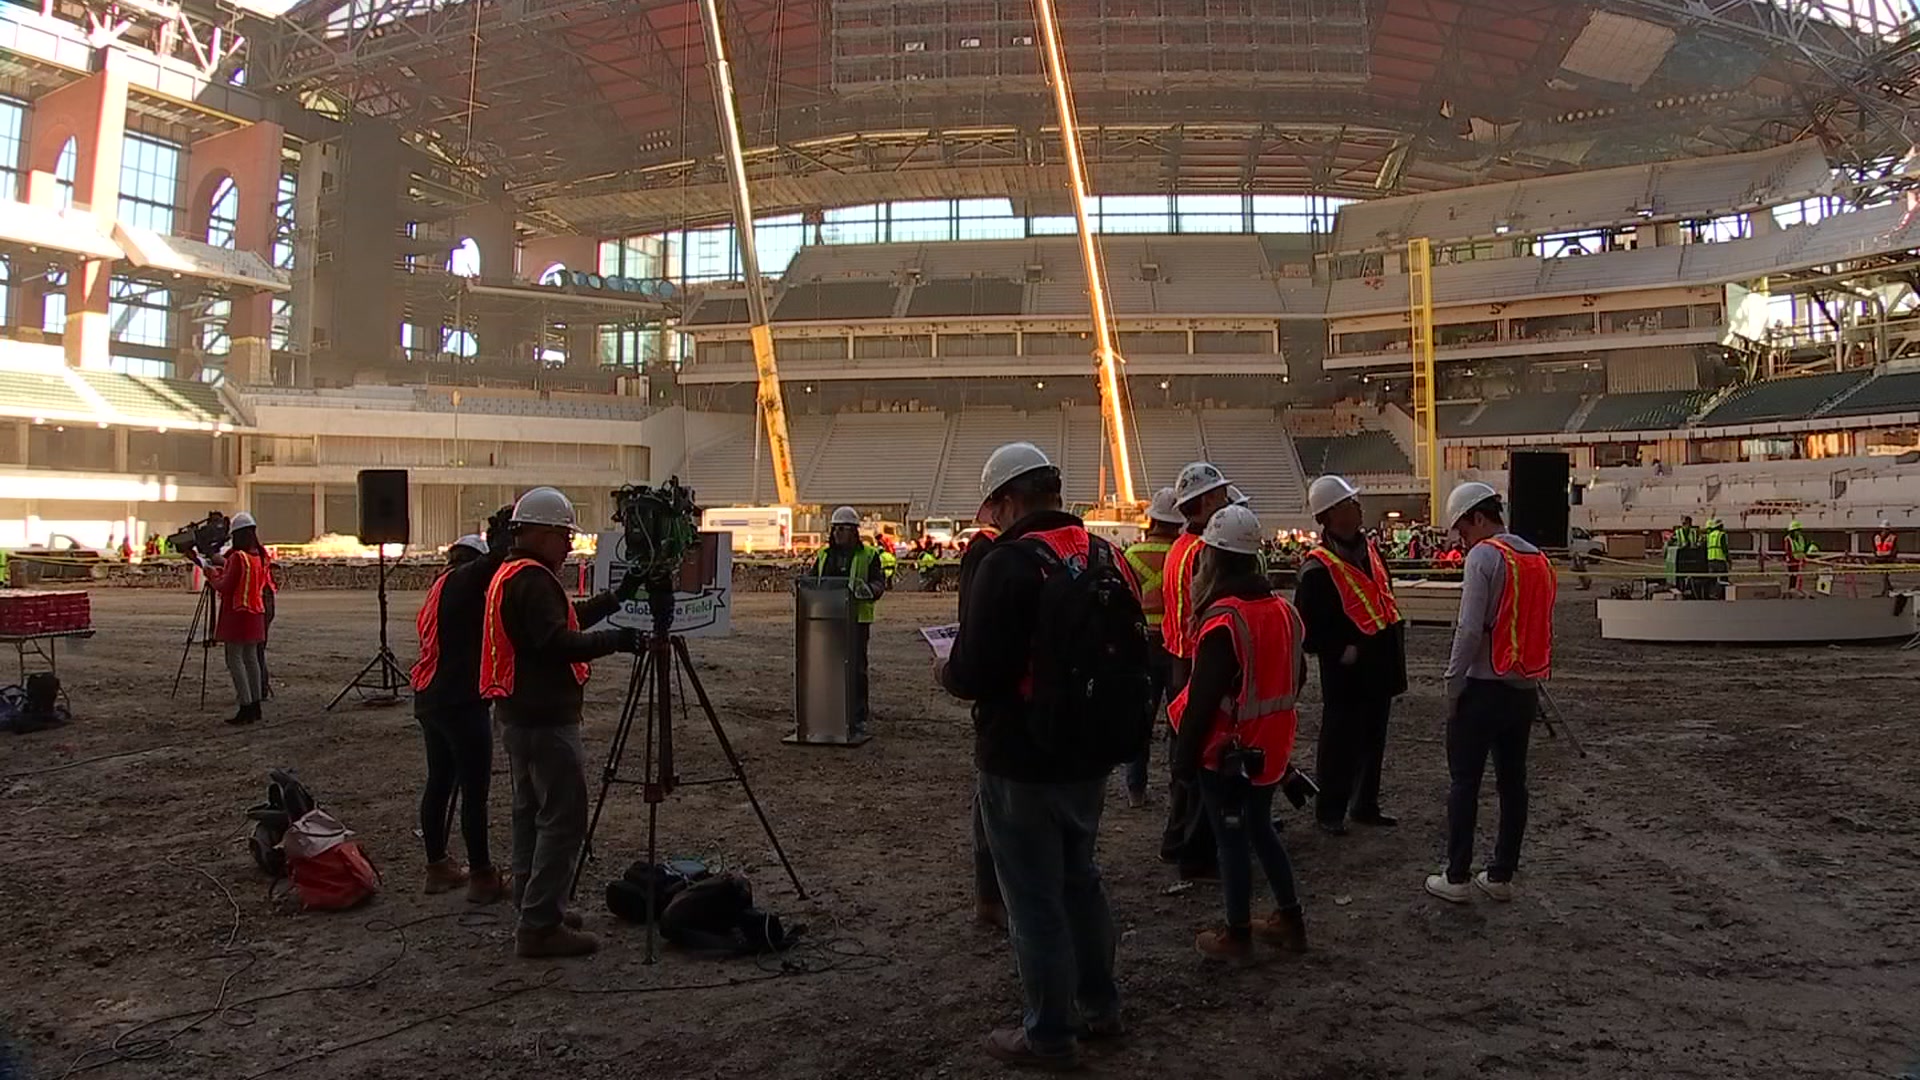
(597, 115)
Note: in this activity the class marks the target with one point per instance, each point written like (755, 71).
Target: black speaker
(383, 506)
(1537, 496)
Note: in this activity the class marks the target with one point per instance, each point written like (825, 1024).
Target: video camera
(204, 537)
(659, 525)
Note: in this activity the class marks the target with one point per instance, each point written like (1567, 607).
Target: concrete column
(120, 449)
(319, 509)
(93, 113)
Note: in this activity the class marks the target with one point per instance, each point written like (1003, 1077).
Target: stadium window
(711, 254)
(464, 261)
(149, 182)
(138, 313)
(852, 224)
(460, 343)
(63, 172)
(1804, 212)
(1135, 214)
(1211, 213)
(214, 337)
(930, 219)
(1052, 225)
(1570, 245)
(1295, 213)
(283, 200)
(777, 240)
(53, 311)
(141, 365)
(223, 215)
(987, 219)
(1718, 230)
(13, 119)
(280, 337)
(6, 288)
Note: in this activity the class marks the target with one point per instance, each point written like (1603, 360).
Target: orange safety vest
(1177, 585)
(1522, 631)
(251, 593)
(496, 648)
(1883, 543)
(1267, 638)
(1148, 560)
(1368, 601)
(428, 624)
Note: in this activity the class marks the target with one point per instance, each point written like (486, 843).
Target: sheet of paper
(940, 638)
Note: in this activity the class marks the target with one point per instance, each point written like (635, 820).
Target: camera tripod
(1549, 711)
(662, 663)
(199, 632)
(382, 679)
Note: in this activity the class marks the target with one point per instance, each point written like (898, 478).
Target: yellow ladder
(1426, 442)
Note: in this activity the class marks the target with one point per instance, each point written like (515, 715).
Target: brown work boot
(1284, 930)
(991, 913)
(1224, 945)
(486, 886)
(1009, 1046)
(553, 942)
(444, 875)
(572, 920)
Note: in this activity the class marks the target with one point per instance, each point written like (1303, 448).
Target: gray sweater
(1486, 579)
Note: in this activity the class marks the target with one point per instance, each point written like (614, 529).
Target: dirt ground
(1726, 887)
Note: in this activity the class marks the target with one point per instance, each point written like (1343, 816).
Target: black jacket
(994, 652)
(463, 611)
(1216, 676)
(1381, 669)
(533, 607)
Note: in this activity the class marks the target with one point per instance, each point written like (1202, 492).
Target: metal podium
(824, 685)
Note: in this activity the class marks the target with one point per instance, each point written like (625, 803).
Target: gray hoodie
(1485, 580)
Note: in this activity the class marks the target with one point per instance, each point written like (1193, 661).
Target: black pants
(1187, 840)
(1491, 718)
(986, 885)
(459, 751)
(1353, 743)
(1717, 584)
(857, 723)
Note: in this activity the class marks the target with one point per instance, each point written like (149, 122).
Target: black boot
(239, 716)
(253, 713)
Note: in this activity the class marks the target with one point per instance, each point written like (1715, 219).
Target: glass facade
(223, 217)
(13, 122)
(139, 313)
(149, 182)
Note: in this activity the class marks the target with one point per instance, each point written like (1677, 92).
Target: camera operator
(240, 579)
(533, 666)
(1234, 726)
(864, 567)
(453, 716)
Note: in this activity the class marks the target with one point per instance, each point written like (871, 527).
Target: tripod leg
(1548, 703)
(193, 633)
(610, 773)
(733, 759)
(353, 683)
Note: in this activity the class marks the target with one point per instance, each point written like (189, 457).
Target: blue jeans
(1243, 823)
(1042, 837)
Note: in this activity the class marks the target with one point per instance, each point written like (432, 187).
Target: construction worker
(889, 562)
(989, 909)
(928, 564)
(1345, 596)
(1040, 806)
(1234, 726)
(454, 721)
(1799, 550)
(1717, 561)
(1502, 651)
(1148, 558)
(1886, 544)
(1200, 492)
(533, 667)
(1690, 557)
(240, 624)
(864, 567)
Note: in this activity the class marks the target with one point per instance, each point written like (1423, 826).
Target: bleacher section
(1653, 411)
(1366, 453)
(973, 435)
(836, 300)
(722, 471)
(966, 296)
(1668, 191)
(1450, 417)
(1781, 399)
(1252, 447)
(1166, 440)
(877, 457)
(423, 399)
(1888, 393)
(26, 393)
(1528, 414)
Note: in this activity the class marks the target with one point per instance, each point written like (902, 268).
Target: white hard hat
(1236, 497)
(1162, 509)
(1328, 492)
(846, 515)
(474, 541)
(1885, 524)
(241, 520)
(1010, 461)
(1196, 480)
(544, 506)
(1233, 528)
(1466, 497)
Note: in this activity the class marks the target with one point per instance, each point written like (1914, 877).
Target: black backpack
(288, 800)
(1092, 691)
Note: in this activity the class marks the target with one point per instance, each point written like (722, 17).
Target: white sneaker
(1450, 891)
(1496, 890)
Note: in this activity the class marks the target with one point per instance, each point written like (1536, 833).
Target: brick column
(250, 156)
(93, 113)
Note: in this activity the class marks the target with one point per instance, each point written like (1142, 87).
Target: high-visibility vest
(251, 592)
(1149, 561)
(1716, 545)
(496, 648)
(427, 623)
(1177, 590)
(1521, 637)
(1798, 545)
(1368, 601)
(1262, 712)
(862, 558)
(1883, 543)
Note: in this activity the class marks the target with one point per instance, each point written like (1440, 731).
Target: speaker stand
(382, 681)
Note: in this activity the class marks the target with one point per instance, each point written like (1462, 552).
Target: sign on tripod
(702, 593)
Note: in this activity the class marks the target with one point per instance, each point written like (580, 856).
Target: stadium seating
(1450, 417)
(1781, 399)
(1652, 411)
(1363, 454)
(975, 434)
(877, 457)
(1527, 414)
(28, 390)
(1252, 447)
(966, 296)
(722, 472)
(1888, 393)
(836, 300)
(146, 398)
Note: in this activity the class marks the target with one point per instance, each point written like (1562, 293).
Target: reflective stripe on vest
(1070, 544)
(1177, 589)
(1368, 601)
(251, 594)
(1149, 561)
(428, 624)
(1267, 636)
(1716, 545)
(1521, 638)
(496, 647)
